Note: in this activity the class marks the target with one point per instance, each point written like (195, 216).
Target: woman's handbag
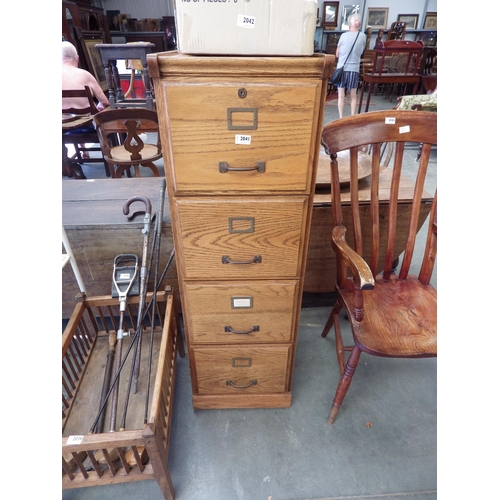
(336, 78)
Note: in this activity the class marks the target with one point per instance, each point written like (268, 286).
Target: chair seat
(403, 306)
(148, 153)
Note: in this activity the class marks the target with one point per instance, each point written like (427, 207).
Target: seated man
(74, 77)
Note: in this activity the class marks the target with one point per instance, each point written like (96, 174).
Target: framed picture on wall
(348, 10)
(377, 18)
(431, 21)
(113, 20)
(330, 15)
(92, 62)
(411, 20)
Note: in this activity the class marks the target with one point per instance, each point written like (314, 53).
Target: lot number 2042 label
(246, 21)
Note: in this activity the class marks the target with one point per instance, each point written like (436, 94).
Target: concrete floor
(383, 444)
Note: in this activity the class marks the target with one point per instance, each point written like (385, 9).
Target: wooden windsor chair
(391, 313)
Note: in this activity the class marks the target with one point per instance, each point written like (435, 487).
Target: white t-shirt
(345, 43)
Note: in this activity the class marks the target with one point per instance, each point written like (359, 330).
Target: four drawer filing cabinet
(240, 139)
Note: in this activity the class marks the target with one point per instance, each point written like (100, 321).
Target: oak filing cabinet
(240, 138)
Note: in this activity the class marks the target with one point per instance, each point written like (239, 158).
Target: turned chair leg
(153, 167)
(337, 307)
(345, 382)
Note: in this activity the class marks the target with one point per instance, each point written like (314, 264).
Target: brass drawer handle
(231, 384)
(230, 330)
(260, 166)
(256, 260)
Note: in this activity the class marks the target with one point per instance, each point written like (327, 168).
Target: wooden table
(321, 269)
(109, 53)
(98, 231)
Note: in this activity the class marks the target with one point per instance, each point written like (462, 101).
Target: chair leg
(337, 307)
(76, 170)
(120, 170)
(153, 167)
(339, 344)
(344, 384)
(106, 169)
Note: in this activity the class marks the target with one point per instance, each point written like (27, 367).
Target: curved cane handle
(146, 201)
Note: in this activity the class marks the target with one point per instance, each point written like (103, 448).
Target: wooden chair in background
(395, 62)
(392, 314)
(397, 31)
(78, 130)
(128, 123)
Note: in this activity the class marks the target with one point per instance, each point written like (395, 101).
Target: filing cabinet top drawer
(243, 136)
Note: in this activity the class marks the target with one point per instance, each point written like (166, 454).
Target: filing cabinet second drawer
(241, 238)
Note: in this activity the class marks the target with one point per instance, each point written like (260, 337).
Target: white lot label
(241, 302)
(404, 130)
(74, 440)
(242, 139)
(390, 121)
(246, 21)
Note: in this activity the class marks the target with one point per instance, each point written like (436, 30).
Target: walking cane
(142, 295)
(144, 277)
(157, 241)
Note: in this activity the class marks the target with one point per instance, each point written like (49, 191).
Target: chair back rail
(84, 93)
(375, 129)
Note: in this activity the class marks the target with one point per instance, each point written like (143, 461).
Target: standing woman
(350, 78)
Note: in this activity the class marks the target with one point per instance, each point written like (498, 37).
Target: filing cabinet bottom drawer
(241, 370)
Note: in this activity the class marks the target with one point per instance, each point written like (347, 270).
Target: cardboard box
(246, 27)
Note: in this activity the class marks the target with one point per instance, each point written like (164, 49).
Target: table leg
(361, 97)
(370, 86)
